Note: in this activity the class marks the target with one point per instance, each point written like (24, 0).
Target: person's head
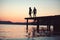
(29, 7)
(34, 8)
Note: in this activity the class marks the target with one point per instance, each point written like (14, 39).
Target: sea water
(38, 38)
(18, 32)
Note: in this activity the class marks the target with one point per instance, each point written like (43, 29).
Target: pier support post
(48, 29)
(27, 27)
(37, 26)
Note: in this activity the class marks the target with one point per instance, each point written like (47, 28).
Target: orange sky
(16, 11)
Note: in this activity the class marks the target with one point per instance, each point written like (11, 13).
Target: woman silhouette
(30, 11)
(34, 12)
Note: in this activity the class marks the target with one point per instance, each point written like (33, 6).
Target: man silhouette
(30, 11)
(34, 12)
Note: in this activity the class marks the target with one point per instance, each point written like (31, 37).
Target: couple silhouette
(34, 12)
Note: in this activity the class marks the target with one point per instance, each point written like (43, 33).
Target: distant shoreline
(17, 23)
(13, 23)
(9, 22)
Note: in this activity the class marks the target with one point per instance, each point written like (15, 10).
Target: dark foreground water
(38, 38)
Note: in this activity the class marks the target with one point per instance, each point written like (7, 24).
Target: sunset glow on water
(14, 31)
(18, 32)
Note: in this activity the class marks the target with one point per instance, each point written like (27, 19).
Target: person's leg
(34, 15)
(30, 15)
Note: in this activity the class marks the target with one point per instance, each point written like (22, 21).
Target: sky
(17, 10)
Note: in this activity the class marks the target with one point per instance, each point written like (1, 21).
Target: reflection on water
(18, 32)
(12, 31)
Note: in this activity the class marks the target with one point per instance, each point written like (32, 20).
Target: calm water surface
(18, 32)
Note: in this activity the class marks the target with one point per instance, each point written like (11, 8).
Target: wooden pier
(45, 20)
